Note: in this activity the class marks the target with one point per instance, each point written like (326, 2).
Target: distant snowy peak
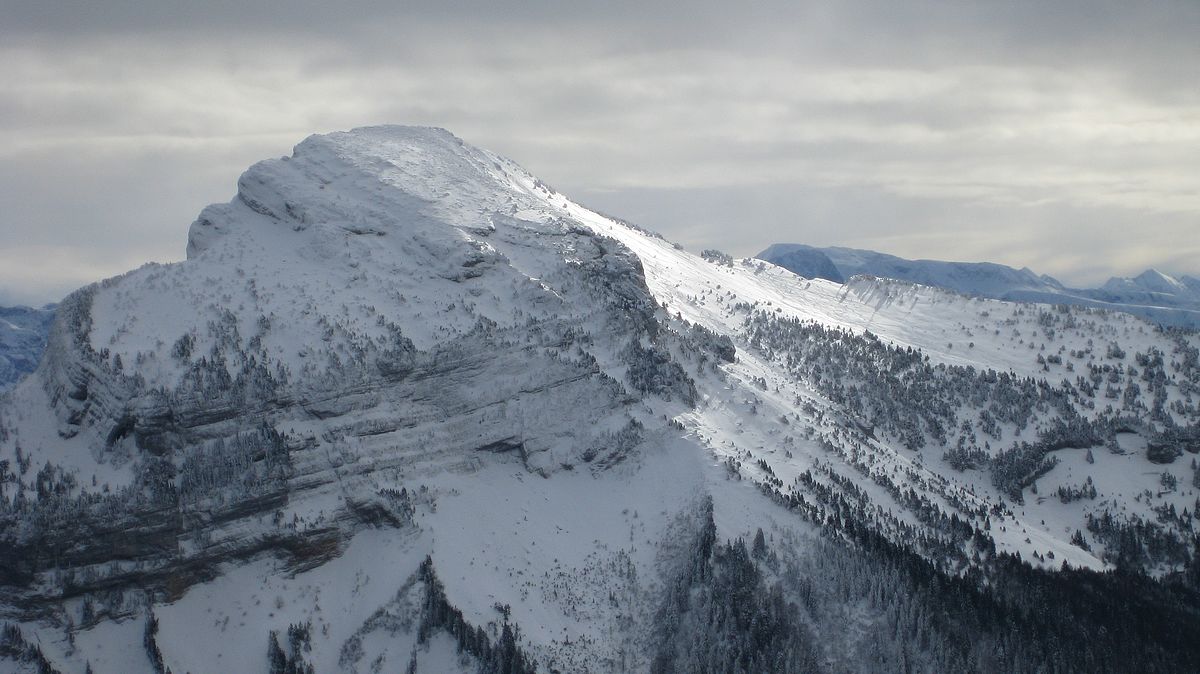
(1152, 295)
(1150, 280)
(23, 333)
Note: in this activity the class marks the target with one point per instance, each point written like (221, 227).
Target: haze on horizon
(1059, 136)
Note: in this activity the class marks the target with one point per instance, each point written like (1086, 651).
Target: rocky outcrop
(276, 443)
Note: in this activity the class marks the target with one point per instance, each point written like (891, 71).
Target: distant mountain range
(1153, 295)
(23, 333)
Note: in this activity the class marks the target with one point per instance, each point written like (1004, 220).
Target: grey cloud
(1042, 132)
(850, 31)
(1050, 239)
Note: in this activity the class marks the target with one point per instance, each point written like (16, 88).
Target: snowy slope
(1151, 295)
(949, 328)
(405, 403)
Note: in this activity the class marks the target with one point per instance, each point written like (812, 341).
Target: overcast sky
(1063, 136)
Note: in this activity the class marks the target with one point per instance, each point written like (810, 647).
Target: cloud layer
(1061, 138)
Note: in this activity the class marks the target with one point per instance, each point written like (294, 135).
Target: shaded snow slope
(404, 403)
(23, 333)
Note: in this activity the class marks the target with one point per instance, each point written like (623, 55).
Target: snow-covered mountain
(406, 408)
(1151, 295)
(23, 333)
(1151, 288)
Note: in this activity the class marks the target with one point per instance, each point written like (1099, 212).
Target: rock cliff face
(369, 323)
(406, 407)
(313, 390)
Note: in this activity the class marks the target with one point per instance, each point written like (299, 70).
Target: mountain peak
(373, 180)
(1155, 279)
(1149, 281)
